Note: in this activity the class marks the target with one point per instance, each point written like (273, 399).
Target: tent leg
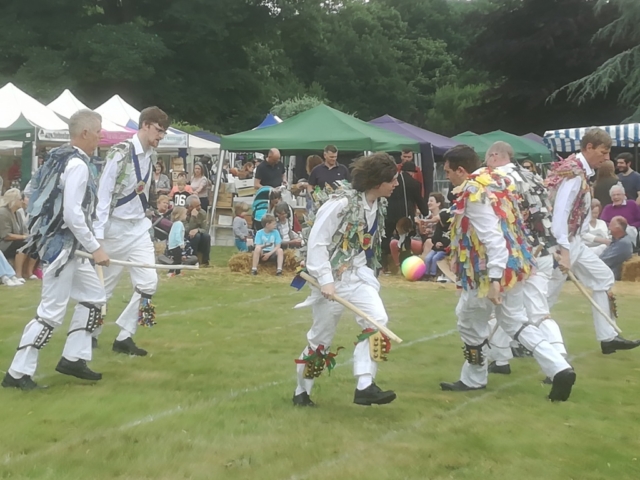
(636, 154)
(212, 228)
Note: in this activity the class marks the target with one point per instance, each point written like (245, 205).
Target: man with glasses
(122, 226)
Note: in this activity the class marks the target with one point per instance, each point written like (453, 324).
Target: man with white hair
(122, 225)
(621, 247)
(536, 210)
(621, 206)
(571, 196)
(61, 209)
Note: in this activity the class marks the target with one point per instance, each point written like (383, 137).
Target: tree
(623, 68)
(530, 48)
(293, 106)
(451, 107)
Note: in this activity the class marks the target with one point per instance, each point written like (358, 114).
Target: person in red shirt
(405, 157)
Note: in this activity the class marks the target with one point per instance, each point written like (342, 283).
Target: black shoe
(302, 400)
(278, 273)
(373, 395)
(94, 342)
(520, 352)
(127, 346)
(562, 383)
(547, 381)
(458, 387)
(502, 369)
(254, 272)
(77, 369)
(23, 383)
(618, 343)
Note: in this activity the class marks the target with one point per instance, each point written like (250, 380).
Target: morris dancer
(492, 261)
(62, 207)
(569, 190)
(122, 226)
(343, 253)
(536, 211)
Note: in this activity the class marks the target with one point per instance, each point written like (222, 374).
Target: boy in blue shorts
(267, 245)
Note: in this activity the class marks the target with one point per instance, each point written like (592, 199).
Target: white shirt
(132, 210)
(565, 198)
(600, 230)
(487, 226)
(324, 228)
(74, 184)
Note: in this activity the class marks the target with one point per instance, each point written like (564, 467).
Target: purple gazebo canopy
(439, 143)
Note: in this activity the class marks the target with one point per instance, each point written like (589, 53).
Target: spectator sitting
(176, 244)
(267, 245)
(437, 214)
(161, 218)
(197, 230)
(597, 236)
(180, 193)
(440, 240)
(289, 238)
(240, 227)
(404, 241)
(13, 233)
(182, 177)
(8, 274)
(605, 179)
(630, 211)
(163, 185)
(621, 248)
(303, 184)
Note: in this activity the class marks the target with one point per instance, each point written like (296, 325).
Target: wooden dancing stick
(103, 310)
(140, 265)
(354, 309)
(444, 267)
(584, 291)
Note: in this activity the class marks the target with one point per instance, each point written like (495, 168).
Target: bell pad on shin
(379, 344)
(43, 336)
(316, 360)
(473, 353)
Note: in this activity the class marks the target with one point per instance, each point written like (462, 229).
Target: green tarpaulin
(316, 128)
(20, 131)
(523, 148)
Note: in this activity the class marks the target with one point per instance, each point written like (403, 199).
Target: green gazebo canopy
(523, 148)
(316, 128)
(19, 131)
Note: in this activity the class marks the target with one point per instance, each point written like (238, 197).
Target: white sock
(364, 381)
(123, 335)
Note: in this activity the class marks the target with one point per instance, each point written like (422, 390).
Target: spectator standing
(267, 245)
(605, 179)
(330, 172)
(200, 185)
(630, 179)
(406, 158)
(403, 202)
(163, 185)
(14, 233)
(198, 231)
(270, 173)
(240, 227)
(621, 247)
(175, 245)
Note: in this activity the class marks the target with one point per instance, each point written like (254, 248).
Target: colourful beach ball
(413, 268)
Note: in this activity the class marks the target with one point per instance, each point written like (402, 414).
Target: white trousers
(130, 241)
(361, 289)
(78, 281)
(594, 274)
(536, 291)
(473, 324)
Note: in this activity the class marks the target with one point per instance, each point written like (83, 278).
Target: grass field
(213, 399)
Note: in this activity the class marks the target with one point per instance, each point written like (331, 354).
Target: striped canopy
(568, 140)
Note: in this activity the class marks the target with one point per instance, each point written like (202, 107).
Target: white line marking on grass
(9, 458)
(418, 424)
